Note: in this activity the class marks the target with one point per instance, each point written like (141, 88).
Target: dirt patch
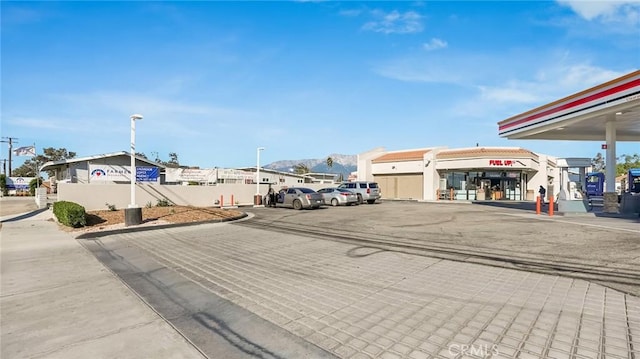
(106, 220)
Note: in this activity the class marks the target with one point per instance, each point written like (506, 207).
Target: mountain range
(344, 164)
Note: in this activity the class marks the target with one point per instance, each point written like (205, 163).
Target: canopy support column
(610, 194)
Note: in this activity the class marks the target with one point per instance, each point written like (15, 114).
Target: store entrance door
(511, 189)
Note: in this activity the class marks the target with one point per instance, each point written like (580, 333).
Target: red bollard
(551, 206)
(221, 201)
(232, 202)
(538, 205)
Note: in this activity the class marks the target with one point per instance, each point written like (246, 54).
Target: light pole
(256, 201)
(133, 214)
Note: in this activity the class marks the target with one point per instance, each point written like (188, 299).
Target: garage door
(405, 186)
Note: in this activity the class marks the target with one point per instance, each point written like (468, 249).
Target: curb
(98, 234)
(17, 217)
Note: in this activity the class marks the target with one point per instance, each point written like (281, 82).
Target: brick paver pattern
(360, 302)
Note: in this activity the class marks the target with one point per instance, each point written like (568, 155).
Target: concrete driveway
(391, 280)
(16, 205)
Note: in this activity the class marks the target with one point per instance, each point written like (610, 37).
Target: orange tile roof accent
(415, 155)
(486, 152)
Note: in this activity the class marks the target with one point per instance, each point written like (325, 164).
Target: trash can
(132, 216)
(257, 200)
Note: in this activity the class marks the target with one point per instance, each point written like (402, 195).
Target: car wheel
(334, 202)
(297, 204)
(360, 201)
(371, 201)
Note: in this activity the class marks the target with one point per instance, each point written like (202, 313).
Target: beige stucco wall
(430, 178)
(541, 172)
(398, 167)
(364, 163)
(96, 196)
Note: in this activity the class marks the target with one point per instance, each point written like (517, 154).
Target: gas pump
(633, 180)
(594, 184)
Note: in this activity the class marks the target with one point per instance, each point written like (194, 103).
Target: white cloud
(394, 22)
(509, 94)
(606, 11)
(435, 44)
(412, 71)
(41, 123)
(350, 13)
(16, 14)
(549, 84)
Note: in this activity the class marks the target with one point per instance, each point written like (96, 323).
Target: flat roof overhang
(583, 116)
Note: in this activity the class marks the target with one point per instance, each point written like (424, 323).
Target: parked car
(338, 196)
(365, 190)
(299, 198)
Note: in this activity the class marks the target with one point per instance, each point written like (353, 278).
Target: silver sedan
(299, 198)
(338, 196)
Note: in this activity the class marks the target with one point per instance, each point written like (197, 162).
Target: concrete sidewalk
(58, 301)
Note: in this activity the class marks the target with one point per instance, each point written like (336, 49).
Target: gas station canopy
(584, 115)
(609, 112)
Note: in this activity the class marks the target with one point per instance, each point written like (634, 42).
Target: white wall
(431, 177)
(96, 196)
(398, 167)
(364, 163)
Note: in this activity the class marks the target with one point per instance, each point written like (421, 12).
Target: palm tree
(329, 162)
(300, 168)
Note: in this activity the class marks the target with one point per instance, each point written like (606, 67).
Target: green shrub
(3, 184)
(111, 207)
(163, 202)
(34, 184)
(70, 214)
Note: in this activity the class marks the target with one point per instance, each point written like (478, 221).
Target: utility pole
(9, 140)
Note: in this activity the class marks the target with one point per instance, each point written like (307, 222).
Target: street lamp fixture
(133, 214)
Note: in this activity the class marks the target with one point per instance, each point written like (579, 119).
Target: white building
(476, 173)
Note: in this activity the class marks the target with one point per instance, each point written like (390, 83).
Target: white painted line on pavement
(546, 218)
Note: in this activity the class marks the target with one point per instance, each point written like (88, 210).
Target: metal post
(132, 169)
(10, 142)
(133, 214)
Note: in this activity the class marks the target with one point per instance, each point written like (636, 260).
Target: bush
(70, 214)
(163, 202)
(111, 207)
(3, 184)
(34, 184)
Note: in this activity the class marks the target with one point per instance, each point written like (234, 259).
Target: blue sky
(216, 80)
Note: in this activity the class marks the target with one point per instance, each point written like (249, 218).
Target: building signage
(191, 175)
(113, 173)
(501, 162)
(18, 183)
(147, 174)
(108, 173)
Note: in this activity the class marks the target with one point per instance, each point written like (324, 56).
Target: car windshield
(306, 190)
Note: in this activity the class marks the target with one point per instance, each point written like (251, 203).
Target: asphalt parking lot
(391, 280)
